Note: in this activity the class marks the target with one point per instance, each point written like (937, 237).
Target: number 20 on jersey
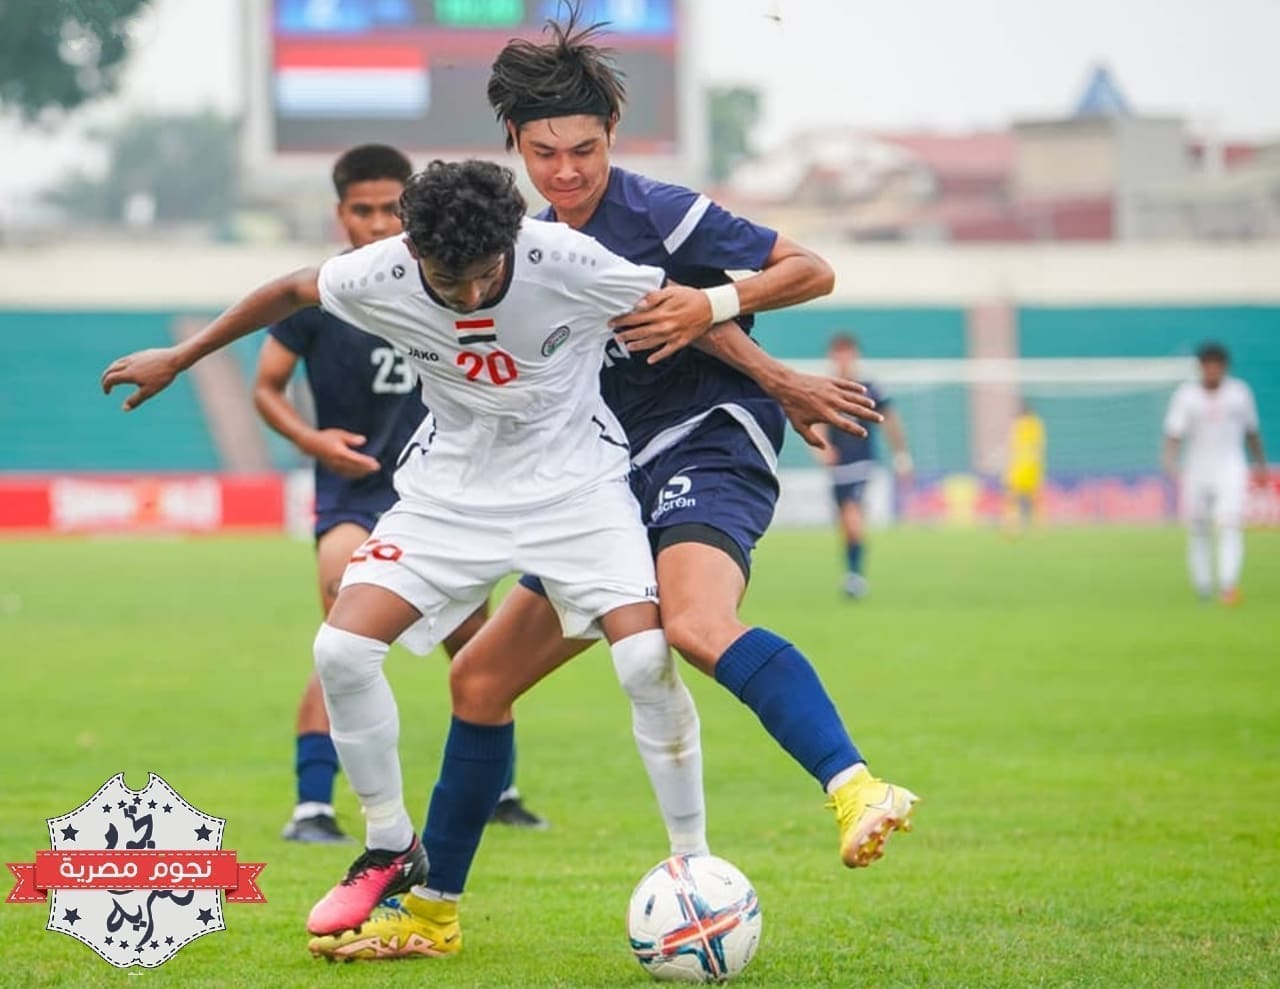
(496, 367)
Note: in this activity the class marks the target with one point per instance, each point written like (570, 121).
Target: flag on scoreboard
(341, 79)
(476, 330)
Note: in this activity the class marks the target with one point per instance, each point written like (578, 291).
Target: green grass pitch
(1098, 755)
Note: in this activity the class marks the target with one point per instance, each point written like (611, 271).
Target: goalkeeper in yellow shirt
(1024, 475)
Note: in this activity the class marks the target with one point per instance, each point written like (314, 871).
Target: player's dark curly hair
(456, 213)
(369, 163)
(570, 71)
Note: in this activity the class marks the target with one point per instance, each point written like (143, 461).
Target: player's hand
(151, 370)
(1260, 475)
(334, 448)
(665, 321)
(810, 399)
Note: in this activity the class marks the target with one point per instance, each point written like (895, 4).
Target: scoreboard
(413, 72)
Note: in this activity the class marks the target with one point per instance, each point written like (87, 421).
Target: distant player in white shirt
(1208, 426)
(519, 467)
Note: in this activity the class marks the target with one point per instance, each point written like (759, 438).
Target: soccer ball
(694, 918)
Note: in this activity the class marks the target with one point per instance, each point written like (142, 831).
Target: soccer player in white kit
(1207, 427)
(519, 467)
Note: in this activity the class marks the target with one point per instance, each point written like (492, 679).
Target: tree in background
(62, 53)
(733, 112)
(161, 169)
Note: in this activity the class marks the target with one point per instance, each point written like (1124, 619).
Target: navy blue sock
(510, 782)
(316, 765)
(853, 556)
(771, 676)
(477, 759)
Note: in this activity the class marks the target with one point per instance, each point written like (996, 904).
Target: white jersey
(1212, 425)
(516, 420)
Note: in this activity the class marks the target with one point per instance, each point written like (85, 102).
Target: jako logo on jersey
(423, 355)
(476, 331)
(555, 341)
(674, 494)
(397, 271)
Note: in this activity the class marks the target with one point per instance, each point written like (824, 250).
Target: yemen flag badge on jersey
(476, 330)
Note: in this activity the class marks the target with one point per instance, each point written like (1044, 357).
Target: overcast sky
(884, 64)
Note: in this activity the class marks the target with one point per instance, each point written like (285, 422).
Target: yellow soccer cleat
(406, 927)
(868, 810)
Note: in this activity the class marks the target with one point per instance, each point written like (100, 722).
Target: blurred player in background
(851, 460)
(1024, 472)
(1208, 426)
(368, 406)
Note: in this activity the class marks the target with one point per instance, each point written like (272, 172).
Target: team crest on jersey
(535, 255)
(397, 271)
(555, 341)
(476, 330)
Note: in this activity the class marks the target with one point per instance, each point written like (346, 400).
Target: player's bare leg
(521, 644)
(700, 587)
(316, 762)
(350, 650)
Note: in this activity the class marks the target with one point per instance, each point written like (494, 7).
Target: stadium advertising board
(413, 73)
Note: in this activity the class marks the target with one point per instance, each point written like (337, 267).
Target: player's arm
(807, 399)
(1253, 443)
(790, 274)
(1175, 426)
(332, 447)
(896, 434)
(154, 370)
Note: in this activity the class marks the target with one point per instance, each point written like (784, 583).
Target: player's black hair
(1212, 352)
(369, 163)
(456, 213)
(843, 340)
(565, 76)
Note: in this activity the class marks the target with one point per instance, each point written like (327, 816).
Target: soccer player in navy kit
(703, 425)
(851, 460)
(367, 407)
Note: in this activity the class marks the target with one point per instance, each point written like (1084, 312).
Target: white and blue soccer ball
(694, 918)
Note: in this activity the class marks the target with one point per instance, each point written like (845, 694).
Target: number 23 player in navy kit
(368, 406)
(704, 435)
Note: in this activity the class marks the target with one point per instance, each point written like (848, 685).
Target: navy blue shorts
(849, 492)
(329, 520)
(713, 487)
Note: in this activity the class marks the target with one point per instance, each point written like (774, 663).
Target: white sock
(667, 732)
(434, 894)
(365, 727)
(510, 793)
(1230, 556)
(844, 776)
(1200, 557)
(312, 808)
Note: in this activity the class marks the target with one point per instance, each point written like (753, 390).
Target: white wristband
(724, 302)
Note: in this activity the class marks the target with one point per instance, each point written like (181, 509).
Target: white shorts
(1216, 496)
(591, 551)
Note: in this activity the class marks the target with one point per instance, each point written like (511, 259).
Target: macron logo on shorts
(674, 494)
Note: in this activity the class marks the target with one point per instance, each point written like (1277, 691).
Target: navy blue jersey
(695, 242)
(360, 384)
(856, 454)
